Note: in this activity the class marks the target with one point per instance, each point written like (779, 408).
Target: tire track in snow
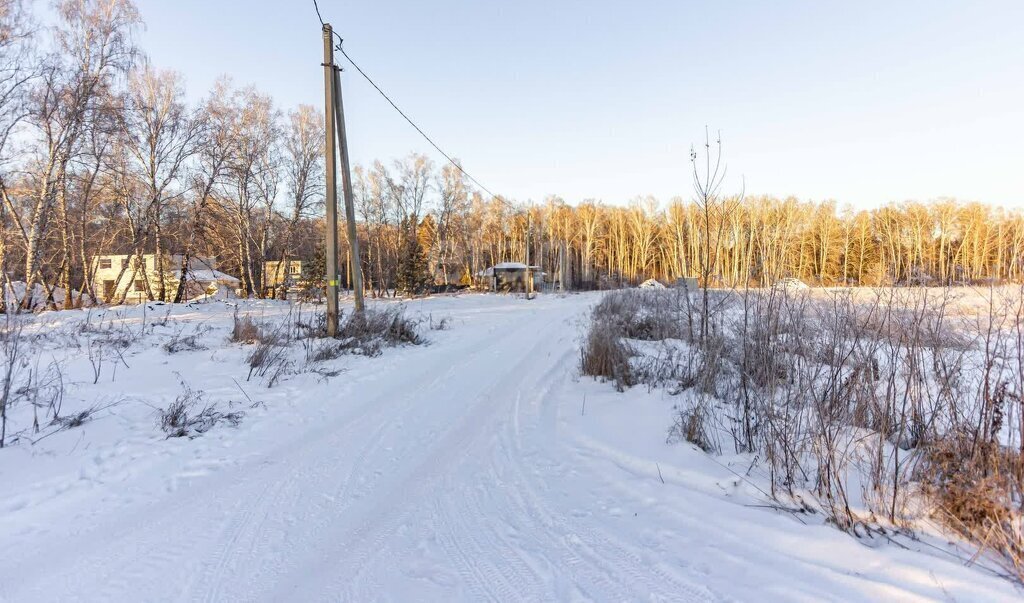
(152, 539)
(368, 540)
(472, 542)
(596, 580)
(601, 548)
(329, 512)
(481, 554)
(381, 419)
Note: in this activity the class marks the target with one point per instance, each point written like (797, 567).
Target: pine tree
(414, 268)
(318, 268)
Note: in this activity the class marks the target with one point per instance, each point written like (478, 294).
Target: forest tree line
(101, 153)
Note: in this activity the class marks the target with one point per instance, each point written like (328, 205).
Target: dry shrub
(646, 314)
(179, 419)
(896, 387)
(315, 327)
(714, 373)
(74, 420)
(121, 339)
(691, 425)
(322, 352)
(183, 343)
(244, 329)
(977, 493)
(605, 355)
(367, 333)
(442, 324)
(674, 365)
(269, 360)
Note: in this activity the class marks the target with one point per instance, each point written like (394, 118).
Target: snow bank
(480, 467)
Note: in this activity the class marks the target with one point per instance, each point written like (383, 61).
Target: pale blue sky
(863, 102)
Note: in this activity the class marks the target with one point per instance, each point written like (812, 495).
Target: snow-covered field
(480, 466)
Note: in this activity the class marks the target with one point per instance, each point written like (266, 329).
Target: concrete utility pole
(355, 266)
(561, 266)
(331, 251)
(529, 271)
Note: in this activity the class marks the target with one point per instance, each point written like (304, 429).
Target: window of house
(139, 285)
(296, 269)
(105, 264)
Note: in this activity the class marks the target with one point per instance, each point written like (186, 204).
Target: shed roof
(508, 266)
(211, 276)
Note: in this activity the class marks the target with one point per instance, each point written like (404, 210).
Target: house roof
(211, 276)
(508, 266)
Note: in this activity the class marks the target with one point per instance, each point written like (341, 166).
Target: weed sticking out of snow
(442, 323)
(184, 343)
(182, 419)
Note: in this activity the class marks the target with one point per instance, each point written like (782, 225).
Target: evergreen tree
(413, 269)
(318, 268)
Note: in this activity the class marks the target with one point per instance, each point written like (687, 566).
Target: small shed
(512, 276)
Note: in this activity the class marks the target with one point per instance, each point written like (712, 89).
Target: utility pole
(355, 266)
(561, 266)
(529, 271)
(331, 251)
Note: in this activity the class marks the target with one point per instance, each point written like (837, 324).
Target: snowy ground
(478, 467)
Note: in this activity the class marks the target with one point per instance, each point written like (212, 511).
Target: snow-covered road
(468, 469)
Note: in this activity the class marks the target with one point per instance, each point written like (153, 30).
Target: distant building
(511, 276)
(117, 276)
(293, 273)
(282, 278)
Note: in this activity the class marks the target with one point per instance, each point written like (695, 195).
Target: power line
(413, 124)
(317, 7)
(400, 112)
